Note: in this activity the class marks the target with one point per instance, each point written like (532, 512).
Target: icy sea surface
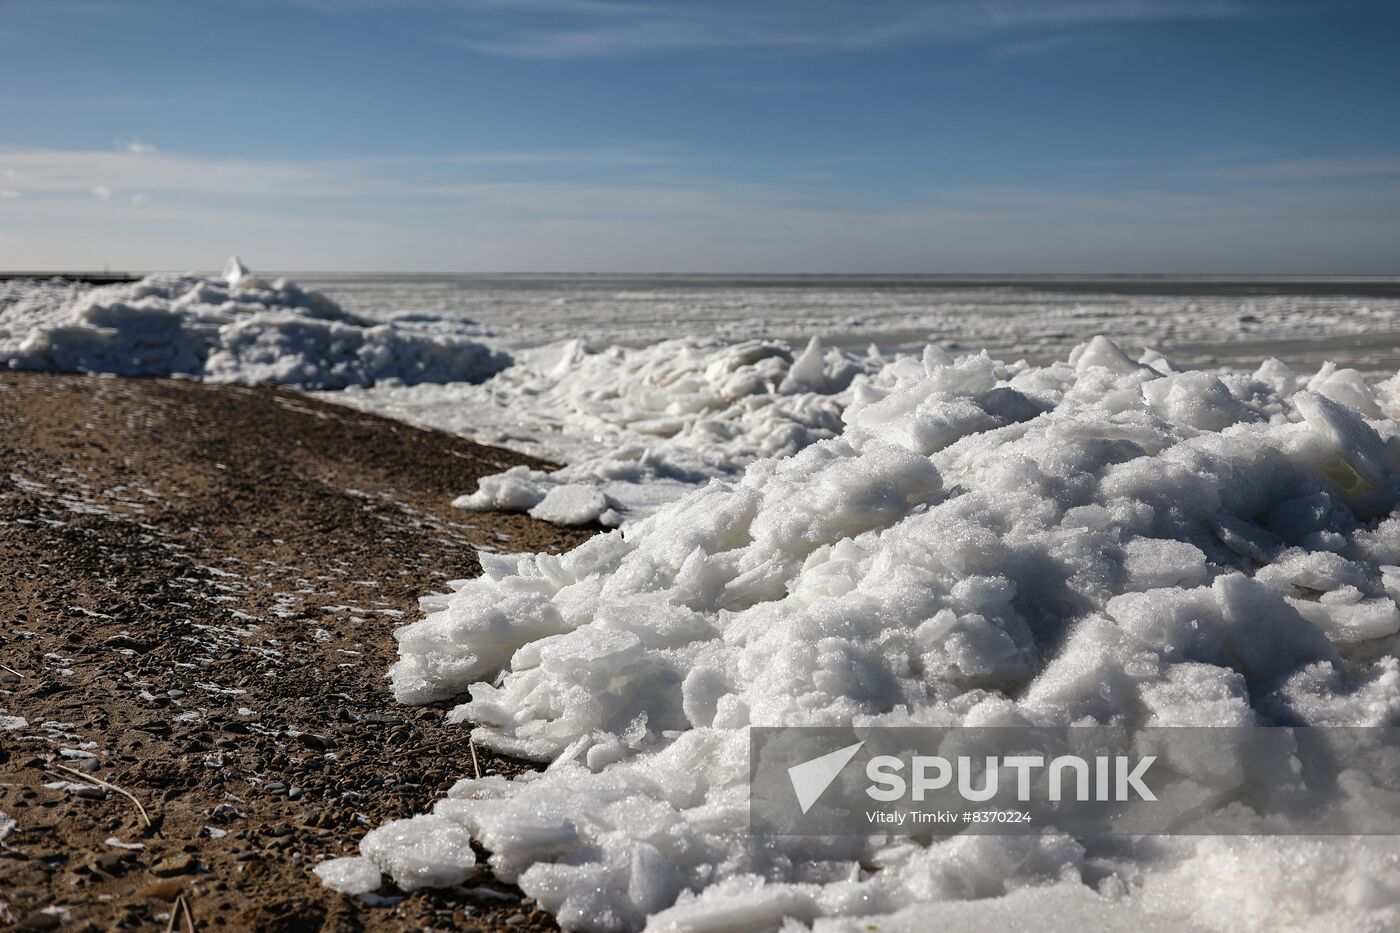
(1350, 321)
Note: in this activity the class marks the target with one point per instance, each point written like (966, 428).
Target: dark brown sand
(199, 589)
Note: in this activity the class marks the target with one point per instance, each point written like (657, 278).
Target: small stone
(38, 920)
(166, 890)
(176, 865)
(294, 793)
(89, 765)
(110, 863)
(129, 643)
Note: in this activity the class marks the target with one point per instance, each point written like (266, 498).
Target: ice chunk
(1103, 353)
(1154, 563)
(235, 272)
(422, 852)
(1356, 460)
(574, 504)
(349, 875)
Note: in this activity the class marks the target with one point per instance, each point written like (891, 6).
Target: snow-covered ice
(1199, 322)
(1097, 541)
(236, 328)
(636, 427)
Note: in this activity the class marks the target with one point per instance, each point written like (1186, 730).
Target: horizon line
(1261, 276)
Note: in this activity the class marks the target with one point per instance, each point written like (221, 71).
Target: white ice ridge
(639, 427)
(636, 426)
(237, 328)
(1095, 541)
(663, 419)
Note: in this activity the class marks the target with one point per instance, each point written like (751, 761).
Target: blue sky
(1062, 136)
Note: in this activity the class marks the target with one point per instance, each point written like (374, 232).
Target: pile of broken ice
(1098, 541)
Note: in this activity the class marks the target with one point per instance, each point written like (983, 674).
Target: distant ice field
(1353, 322)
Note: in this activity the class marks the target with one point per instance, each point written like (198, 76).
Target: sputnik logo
(811, 778)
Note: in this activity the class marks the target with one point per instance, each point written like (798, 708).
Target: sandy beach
(201, 585)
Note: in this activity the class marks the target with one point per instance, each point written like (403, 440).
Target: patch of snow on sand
(1094, 541)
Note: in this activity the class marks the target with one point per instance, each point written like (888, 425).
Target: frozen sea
(1352, 321)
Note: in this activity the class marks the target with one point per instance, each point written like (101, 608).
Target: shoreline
(205, 580)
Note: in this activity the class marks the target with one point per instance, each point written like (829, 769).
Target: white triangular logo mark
(811, 778)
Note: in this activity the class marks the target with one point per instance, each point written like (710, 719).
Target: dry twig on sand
(180, 911)
(476, 765)
(101, 783)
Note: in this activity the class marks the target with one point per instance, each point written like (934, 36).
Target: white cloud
(101, 192)
(137, 147)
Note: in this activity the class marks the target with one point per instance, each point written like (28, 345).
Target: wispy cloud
(1047, 45)
(1308, 170)
(141, 167)
(548, 29)
(488, 211)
